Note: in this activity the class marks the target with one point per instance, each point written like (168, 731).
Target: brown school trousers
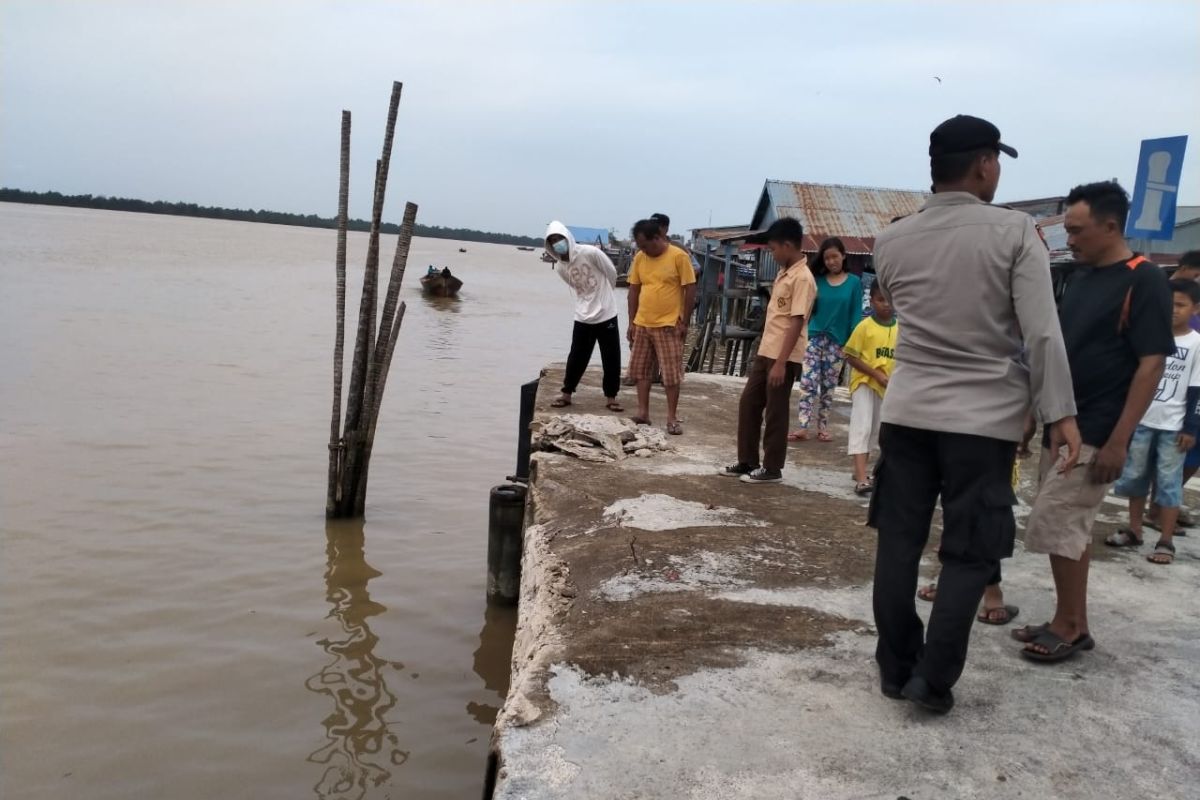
(759, 397)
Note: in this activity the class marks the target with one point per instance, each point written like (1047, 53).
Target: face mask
(561, 247)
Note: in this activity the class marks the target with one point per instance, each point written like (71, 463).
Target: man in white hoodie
(591, 276)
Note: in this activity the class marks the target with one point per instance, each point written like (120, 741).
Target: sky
(597, 114)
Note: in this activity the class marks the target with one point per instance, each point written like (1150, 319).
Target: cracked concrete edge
(546, 597)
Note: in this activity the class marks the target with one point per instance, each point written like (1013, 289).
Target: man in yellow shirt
(871, 352)
(662, 291)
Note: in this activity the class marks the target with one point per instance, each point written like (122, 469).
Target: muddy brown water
(176, 617)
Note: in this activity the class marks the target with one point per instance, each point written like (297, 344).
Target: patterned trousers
(822, 370)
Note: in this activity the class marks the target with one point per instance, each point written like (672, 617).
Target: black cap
(963, 134)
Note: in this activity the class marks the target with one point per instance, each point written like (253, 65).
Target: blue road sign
(1152, 211)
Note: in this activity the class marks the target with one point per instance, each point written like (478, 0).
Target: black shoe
(738, 470)
(763, 475)
(891, 690)
(920, 692)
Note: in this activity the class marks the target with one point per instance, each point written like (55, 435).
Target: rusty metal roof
(859, 212)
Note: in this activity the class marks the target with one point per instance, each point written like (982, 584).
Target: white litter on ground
(850, 603)
(661, 512)
(701, 571)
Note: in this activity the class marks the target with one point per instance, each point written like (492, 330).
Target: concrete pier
(685, 635)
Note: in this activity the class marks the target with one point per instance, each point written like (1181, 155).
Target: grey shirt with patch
(980, 338)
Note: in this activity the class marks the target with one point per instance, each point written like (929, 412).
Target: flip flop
(927, 593)
(1027, 633)
(824, 436)
(615, 407)
(674, 428)
(1010, 613)
(1059, 649)
(1124, 537)
(1162, 550)
(640, 420)
(863, 489)
(798, 436)
(560, 402)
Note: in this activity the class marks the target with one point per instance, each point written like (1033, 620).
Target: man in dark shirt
(1116, 323)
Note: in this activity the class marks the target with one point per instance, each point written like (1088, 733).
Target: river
(176, 617)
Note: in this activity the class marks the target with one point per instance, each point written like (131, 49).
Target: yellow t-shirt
(660, 304)
(875, 345)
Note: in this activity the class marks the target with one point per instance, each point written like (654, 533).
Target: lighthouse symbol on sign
(1156, 188)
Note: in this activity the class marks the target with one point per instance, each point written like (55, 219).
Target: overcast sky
(593, 113)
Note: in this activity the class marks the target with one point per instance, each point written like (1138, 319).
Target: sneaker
(737, 470)
(762, 475)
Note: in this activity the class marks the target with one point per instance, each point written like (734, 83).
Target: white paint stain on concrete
(701, 571)
(661, 512)
(852, 602)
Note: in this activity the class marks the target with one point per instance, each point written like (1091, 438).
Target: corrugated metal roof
(721, 232)
(860, 212)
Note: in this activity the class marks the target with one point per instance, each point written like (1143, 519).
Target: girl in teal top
(837, 311)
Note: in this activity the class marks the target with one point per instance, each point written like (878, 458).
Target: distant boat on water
(527, 249)
(462, 249)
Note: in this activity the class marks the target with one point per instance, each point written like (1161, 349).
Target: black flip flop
(1010, 613)
(1059, 649)
(1163, 549)
(1027, 633)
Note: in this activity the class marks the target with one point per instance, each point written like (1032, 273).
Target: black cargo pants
(973, 475)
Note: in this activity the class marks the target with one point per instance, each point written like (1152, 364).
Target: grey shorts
(1060, 523)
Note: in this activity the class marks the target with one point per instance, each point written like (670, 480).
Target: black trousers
(583, 342)
(973, 475)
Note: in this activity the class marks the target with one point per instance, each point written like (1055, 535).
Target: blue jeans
(1153, 456)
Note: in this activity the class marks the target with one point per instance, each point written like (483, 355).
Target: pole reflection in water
(493, 660)
(360, 749)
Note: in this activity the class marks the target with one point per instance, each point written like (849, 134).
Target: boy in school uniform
(779, 360)
(871, 352)
(1165, 434)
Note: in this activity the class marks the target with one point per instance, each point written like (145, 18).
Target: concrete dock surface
(686, 635)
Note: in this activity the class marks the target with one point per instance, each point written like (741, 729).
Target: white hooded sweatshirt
(589, 273)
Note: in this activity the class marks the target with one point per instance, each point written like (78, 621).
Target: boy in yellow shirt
(871, 352)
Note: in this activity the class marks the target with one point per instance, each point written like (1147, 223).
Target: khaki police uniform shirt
(792, 296)
(980, 338)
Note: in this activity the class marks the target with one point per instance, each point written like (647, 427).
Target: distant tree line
(250, 215)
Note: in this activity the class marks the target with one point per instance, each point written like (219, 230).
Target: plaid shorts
(657, 347)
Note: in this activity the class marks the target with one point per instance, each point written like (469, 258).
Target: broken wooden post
(337, 448)
(350, 452)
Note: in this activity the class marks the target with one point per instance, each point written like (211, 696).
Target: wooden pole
(360, 501)
(399, 264)
(361, 391)
(389, 329)
(337, 448)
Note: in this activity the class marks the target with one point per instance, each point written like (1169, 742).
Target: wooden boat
(438, 285)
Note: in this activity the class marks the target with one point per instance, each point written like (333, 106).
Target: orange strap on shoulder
(1123, 322)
